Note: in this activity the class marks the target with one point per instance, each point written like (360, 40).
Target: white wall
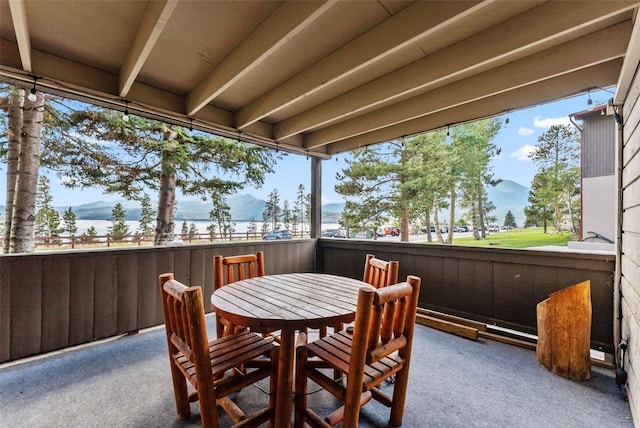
(599, 206)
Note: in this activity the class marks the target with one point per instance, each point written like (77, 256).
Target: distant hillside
(243, 208)
(509, 196)
(506, 196)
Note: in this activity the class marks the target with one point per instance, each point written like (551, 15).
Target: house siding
(598, 146)
(630, 243)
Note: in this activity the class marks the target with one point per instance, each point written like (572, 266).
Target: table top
(295, 300)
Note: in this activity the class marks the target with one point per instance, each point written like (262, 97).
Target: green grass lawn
(521, 238)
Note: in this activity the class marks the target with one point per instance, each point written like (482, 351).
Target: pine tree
(510, 220)
(70, 225)
(557, 156)
(47, 221)
(272, 210)
(147, 214)
(119, 228)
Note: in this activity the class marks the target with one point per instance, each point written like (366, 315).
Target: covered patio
(455, 382)
(319, 78)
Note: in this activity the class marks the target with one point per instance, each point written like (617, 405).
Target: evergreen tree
(286, 214)
(301, 207)
(119, 228)
(143, 153)
(474, 151)
(212, 231)
(70, 225)
(265, 221)
(47, 221)
(89, 235)
(510, 220)
(370, 184)
(193, 230)
(221, 213)
(557, 156)
(147, 214)
(540, 209)
(272, 211)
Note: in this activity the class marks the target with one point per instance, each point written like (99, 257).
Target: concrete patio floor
(455, 382)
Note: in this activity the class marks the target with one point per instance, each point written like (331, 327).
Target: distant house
(597, 176)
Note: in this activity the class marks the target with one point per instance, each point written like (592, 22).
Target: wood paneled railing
(54, 300)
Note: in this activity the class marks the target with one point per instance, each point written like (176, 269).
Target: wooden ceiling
(316, 77)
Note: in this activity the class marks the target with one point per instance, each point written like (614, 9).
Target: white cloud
(523, 153)
(525, 131)
(540, 122)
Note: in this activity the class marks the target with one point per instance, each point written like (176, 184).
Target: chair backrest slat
(385, 320)
(236, 268)
(227, 270)
(380, 273)
(185, 323)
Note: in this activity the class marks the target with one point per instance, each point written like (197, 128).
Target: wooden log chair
(231, 269)
(236, 268)
(380, 273)
(379, 347)
(214, 369)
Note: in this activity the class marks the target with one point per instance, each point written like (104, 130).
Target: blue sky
(516, 140)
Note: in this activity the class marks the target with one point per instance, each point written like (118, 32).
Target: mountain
(243, 208)
(506, 196)
(509, 196)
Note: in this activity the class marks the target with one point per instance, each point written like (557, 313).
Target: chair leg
(300, 388)
(399, 396)
(180, 392)
(273, 383)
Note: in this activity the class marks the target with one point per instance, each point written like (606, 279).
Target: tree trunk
(474, 222)
(404, 224)
(428, 223)
(452, 215)
(165, 221)
(437, 224)
(16, 102)
(24, 210)
(481, 210)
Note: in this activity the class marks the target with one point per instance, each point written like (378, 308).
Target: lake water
(240, 226)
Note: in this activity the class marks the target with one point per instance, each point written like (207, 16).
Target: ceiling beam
(21, 28)
(289, 19)
(602, 46)
(153, 22)
(602, 75)
(411, 24)
(508, 41)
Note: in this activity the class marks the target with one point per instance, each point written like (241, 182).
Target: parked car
(277, 235)
(388, 230)
(460, 229)
(334, 233)
(494, 228)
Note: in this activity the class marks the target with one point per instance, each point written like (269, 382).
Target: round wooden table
(288, 302)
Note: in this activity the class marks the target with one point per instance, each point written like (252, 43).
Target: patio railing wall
(491, 285)
(54, 300)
